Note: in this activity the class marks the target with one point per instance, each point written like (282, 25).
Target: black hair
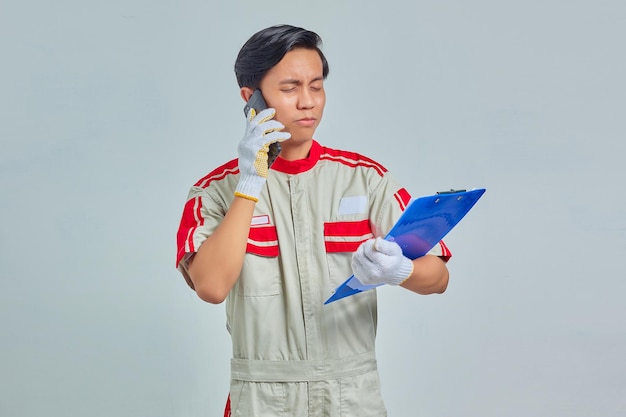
(267, 47)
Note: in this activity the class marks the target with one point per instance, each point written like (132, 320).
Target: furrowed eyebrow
(291, 81)
(298, 82)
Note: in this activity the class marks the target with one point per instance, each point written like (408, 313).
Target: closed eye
(316, 84)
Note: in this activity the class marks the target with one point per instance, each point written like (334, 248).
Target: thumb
(387, 247)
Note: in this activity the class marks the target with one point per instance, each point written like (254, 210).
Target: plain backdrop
(110, 111)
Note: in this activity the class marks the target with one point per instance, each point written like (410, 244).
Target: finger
(251, 114)
(377, 243)
(359, 255)
(387, 247)
(271, 126)
(369, 251)
(361, 263)
(264, 116)
(276, 137)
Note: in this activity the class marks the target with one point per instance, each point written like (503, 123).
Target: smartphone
(257, 102)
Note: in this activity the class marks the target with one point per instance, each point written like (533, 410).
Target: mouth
(306, 122)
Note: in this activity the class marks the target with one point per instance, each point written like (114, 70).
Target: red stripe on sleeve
(190, 221)
(227, 408)
(403, 197)
(353, 164)
(231, 167)
(445, 252)
(352, 159)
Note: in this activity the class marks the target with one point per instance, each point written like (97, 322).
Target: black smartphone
(257, 102)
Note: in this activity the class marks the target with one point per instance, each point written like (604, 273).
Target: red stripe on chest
(263, 241)
(346, 236)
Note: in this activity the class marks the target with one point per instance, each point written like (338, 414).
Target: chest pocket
(260, 273)
(341, 239)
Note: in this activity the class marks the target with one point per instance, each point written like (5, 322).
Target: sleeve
(389, 200)
(201, 216)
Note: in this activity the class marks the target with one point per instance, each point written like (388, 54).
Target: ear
(246, 93)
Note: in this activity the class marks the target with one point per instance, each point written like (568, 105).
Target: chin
(299, 140)
(299, 137)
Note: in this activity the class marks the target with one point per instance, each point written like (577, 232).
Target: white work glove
(379, 261)
(261, 131)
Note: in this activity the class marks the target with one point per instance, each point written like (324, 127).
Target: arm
(379, 261)
(430, 275)
(215, 267)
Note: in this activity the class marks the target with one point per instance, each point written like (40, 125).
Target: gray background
(111, 110)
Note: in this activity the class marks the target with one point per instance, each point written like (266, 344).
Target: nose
(305, 99)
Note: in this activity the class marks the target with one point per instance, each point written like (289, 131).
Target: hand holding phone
(262, 130)
(257, 102)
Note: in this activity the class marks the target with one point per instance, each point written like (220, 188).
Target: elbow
(211, 289)
(443, 275)
(443, 287)
(443, 283)
(437, 286)
(211, 295)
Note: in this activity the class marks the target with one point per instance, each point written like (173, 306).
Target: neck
(294, 151)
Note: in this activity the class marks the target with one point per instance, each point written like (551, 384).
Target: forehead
(298, 64)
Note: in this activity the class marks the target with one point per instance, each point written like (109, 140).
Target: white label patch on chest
(353, 205)
(260, 220)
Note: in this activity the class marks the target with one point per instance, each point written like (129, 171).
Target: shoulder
(352, 160)
(225, 171)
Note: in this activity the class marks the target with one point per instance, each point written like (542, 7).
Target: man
(275, 242)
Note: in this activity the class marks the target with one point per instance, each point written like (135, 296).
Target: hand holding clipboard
(422, 225)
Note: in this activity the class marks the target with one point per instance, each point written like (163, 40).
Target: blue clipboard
(422, 225)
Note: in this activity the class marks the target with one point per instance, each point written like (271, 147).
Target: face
(295, 88)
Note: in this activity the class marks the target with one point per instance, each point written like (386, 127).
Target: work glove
(261, 131)
(379, 261)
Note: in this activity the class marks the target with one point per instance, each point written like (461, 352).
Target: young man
(275, 242)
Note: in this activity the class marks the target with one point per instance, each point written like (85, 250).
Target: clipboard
(422, 225)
